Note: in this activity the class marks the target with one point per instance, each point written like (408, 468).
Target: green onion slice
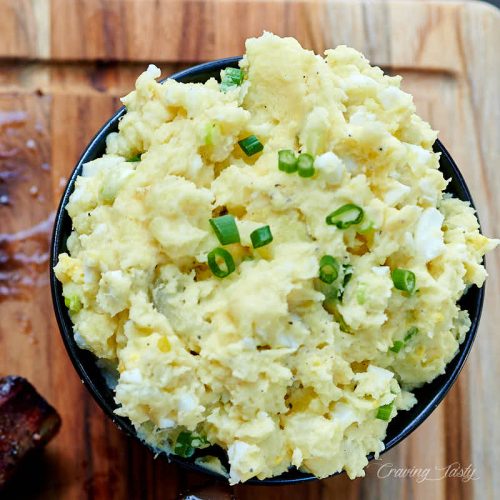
(225, 229)
(233, 77)
(287, 162)
(73, 303)
(212, 134)
(305, 165)
(228, 266)
(251, 145)
(333, 293)
(397, 346)
(134, 159)
(340, 320)
(404, 280)
(410, 333)
(347, 274)
(384, 412)
(328, 269)
(187, 442)
(345, 216)
(261, 236)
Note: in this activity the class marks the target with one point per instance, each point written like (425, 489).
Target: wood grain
(63, 65)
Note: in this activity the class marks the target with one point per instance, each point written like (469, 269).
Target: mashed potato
(272, 363)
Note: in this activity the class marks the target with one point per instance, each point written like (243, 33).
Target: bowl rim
(74, 352)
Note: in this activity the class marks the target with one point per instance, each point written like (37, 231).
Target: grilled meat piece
(27, 422)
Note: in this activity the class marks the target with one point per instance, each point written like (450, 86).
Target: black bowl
(428, 396)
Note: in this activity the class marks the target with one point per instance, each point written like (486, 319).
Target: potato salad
(271, 262)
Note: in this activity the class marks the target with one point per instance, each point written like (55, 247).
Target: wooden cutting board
(63, 64)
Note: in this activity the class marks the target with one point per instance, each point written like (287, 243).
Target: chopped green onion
(396, 347)
(328, 269)
(384, 412)
(225, 229)
(410, 333)
(333, 293)
(345, 216)
(287, 162)
(404, 279)
(134, 159)
(235, 74)
(251, 145)
(261, 236)
(347, 274)
(233, 77)
(340, 320)
(73, 303)
(183, 446)
(212, 134)
(187, 442)
(305, 165)
(399, 344)
(214, 266)
(334, 290)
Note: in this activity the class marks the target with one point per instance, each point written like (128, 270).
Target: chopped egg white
(429, 234)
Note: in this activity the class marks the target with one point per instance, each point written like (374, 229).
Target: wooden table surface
(63, 64)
